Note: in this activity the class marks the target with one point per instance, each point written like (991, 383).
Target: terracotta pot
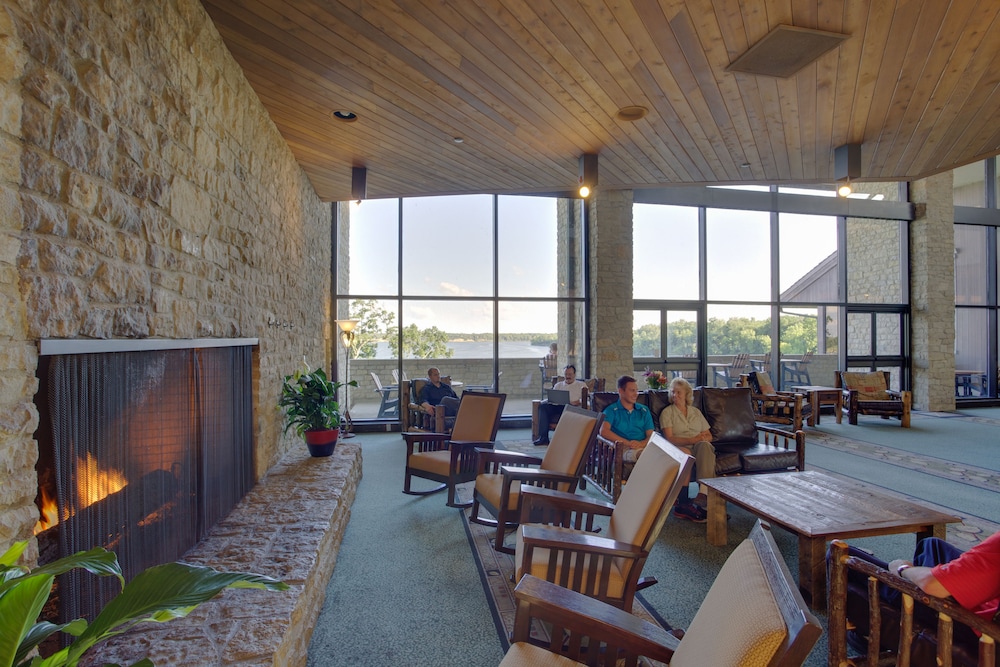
(321, 443)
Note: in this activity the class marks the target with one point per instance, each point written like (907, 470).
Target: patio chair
(752, 614)
(763, 365)
(412, 417)
(869, 394)
(606, 567)
(501, 474)
(796, 371)
(452, 458)
(771, 406)
(940, 630)
(731, 374)
(388, 407)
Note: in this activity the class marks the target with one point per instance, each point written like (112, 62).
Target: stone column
(18, 354)
(932, 293)
(611, 284)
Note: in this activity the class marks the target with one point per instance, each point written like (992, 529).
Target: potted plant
(161, 593)
(309, 400)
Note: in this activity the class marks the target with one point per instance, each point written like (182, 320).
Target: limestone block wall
(144, 193)
(611, 284)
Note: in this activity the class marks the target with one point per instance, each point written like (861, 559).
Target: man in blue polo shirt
(630, 424)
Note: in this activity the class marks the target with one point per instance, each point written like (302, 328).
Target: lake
(478, 350)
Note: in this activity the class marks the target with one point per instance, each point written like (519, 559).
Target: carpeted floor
(406, 590)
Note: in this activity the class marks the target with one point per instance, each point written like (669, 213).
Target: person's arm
(684, 441)
(608, 434)
(923, 577)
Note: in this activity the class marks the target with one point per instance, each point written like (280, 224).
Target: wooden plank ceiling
(530, 85)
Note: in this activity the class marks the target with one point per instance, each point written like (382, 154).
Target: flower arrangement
(656, 379)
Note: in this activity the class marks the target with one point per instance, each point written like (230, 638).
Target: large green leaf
(164, 592)
(98, 561)
(13, 553)
(19, 607)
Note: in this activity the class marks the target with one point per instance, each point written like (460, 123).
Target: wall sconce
(588, 174)
(846, 165)
(359, 184)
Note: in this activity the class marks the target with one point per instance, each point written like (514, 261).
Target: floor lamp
(347, 337)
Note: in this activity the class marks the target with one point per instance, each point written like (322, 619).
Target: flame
(93, 485)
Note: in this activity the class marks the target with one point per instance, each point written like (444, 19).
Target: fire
(92, 486)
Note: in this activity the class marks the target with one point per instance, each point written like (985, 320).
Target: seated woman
(686, 428)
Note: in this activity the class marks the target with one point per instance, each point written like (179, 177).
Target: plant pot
(321, 443)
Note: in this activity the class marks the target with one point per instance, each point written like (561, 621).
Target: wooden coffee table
(819, 396)
(818, 507)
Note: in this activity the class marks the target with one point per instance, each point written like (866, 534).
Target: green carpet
(406, 590)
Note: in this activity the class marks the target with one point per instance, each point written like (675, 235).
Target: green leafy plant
(309, 400)
(159, 594)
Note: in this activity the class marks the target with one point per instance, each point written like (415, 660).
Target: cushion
(761, 383)
(641, 499)
(490, 485)
(523, 654)
(657, 401)
(569, 443)
(730, 415)
(476, 416)
(437, 463)
(765, 457)
(870, 386)
(727, 462)
(741, 602)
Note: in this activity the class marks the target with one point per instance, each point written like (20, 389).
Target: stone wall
(611, 284)
(145, 193)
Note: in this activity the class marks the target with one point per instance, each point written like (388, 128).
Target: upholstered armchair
(753, 599)
(869, 394)
(939, 628)
(501, 474)
(771, 406)
(606, 566)
(452, 459)
(592, 385)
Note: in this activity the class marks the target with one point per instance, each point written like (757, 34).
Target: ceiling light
(588, 174)
(359, 184)
(846, 165)
(458, 140)
(345, 116)
(844, 190)
(631, 113)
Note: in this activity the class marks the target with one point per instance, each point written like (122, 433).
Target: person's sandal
(690, 512)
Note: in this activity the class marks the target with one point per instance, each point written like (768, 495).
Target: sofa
(742, 446)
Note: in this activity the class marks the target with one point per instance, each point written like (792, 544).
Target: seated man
(548, 412)
(436, 392)
(940, 569)
(685, 427)
(630, 424)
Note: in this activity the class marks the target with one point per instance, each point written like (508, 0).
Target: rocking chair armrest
(546, 537)
(535, 497)
(492, 460)
(413, 437)
(511, 473)
(580, 612)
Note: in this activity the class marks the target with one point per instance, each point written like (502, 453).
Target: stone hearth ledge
(290, 527)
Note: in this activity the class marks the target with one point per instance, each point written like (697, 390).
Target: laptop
(558, 396)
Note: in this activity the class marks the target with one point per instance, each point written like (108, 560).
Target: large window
(478, 286)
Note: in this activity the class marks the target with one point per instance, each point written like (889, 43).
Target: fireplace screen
(142, 453)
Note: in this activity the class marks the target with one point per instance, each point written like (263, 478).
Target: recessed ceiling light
(458, 140)
(745, 165)
(346, 116)
(632, 113)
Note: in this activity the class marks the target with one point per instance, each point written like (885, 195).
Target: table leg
(840, 405)
(812, 570)
(814, 402)
(938, 530)
(716, 529)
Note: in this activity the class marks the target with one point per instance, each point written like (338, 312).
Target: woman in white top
(686, 428)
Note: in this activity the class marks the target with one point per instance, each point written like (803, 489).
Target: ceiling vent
(785, 50)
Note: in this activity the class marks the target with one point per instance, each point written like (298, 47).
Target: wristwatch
(899, 570)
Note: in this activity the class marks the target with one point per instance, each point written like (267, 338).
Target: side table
(819, 396)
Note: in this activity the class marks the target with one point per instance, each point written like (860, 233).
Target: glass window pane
(531, 241)
(646, 335)
(736, 330)
(682, 333)
(739, 255)
(808, 258)
(373, 359)
(874, 261)
(859, 334)
(665, 237)
(446, 330)
(372, 260)
(448, 246)
(970, 185)
(970, 265)
(888, 341)
(971, 347)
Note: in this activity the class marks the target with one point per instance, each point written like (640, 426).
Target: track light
(359, 184)
(846, 165)
(588, 174)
